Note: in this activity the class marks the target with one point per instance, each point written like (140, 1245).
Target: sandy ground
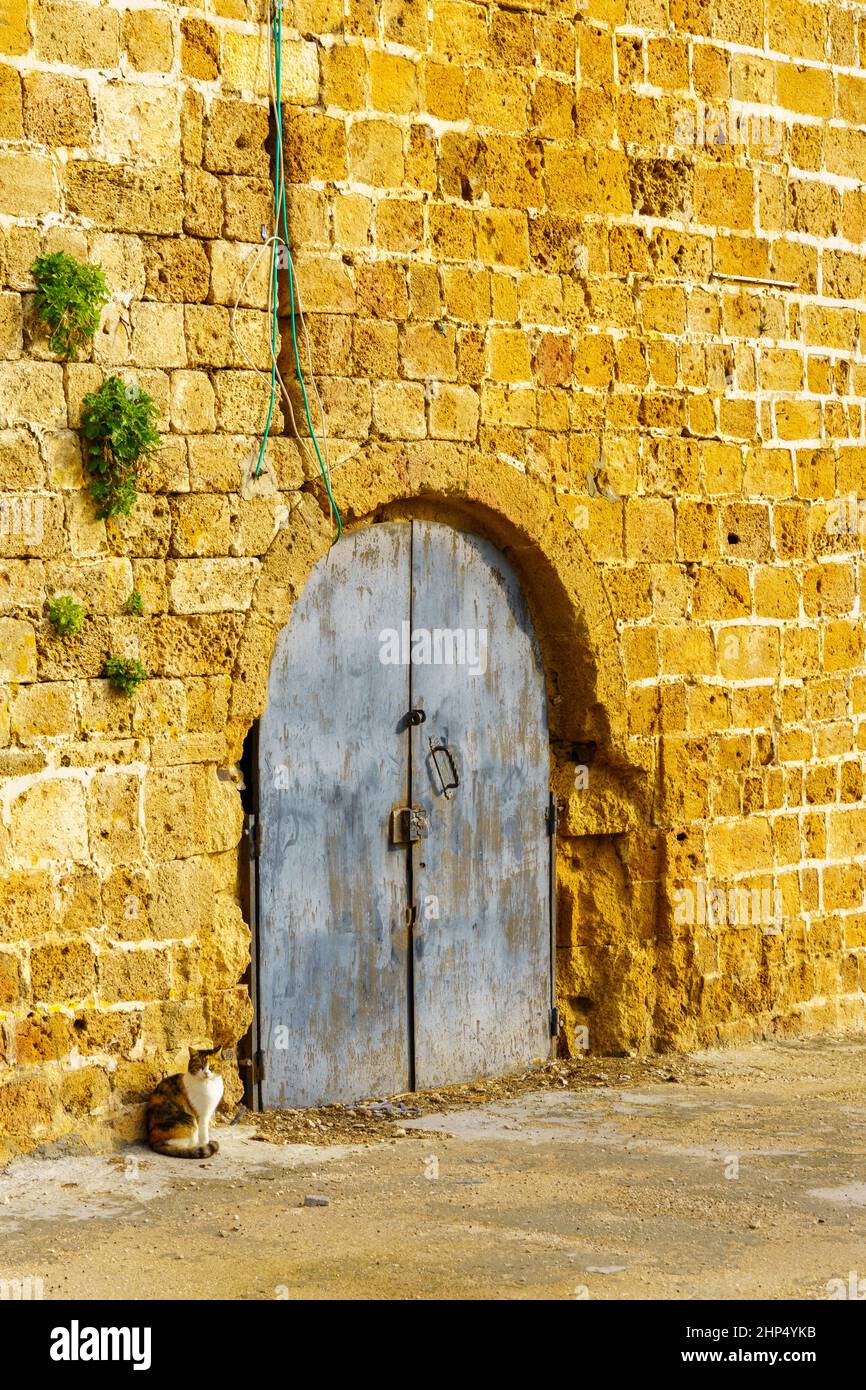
(745, 1178)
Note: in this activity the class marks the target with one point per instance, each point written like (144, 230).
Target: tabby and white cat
(180, 1109)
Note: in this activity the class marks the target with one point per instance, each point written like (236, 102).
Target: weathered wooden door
(404, 908)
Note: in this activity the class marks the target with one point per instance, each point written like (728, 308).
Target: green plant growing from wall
(134, 605)
(125, 674)
(119, 427)
(69, 300)
(65, 615)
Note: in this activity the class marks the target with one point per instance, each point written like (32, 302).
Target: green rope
(281, 211)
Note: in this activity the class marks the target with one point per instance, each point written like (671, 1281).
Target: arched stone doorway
(586, 695)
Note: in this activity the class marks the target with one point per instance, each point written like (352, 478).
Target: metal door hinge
(407, 824)
(554, 1023)
(256, 1063)
(253, 832)
(552, 814)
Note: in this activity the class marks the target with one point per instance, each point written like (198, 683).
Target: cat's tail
(200, 1151)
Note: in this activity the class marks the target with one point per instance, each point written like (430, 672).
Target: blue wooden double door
(404, 867)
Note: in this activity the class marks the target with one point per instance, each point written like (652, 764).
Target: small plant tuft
(134, 605)
(69, 300)
(125, 673)
(66, 616)
(119, 427)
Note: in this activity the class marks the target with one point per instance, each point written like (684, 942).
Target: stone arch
(477, 492)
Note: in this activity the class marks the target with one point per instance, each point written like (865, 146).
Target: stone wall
(532, 243)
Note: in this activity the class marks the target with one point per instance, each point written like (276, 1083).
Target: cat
(179, 1110)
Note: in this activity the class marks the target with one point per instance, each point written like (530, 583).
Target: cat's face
(200, 1061)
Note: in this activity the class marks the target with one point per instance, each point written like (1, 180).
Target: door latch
(408, 824)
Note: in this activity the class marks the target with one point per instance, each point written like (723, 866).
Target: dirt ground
(734, 1174)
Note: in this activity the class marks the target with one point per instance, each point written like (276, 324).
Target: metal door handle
(439, 746)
